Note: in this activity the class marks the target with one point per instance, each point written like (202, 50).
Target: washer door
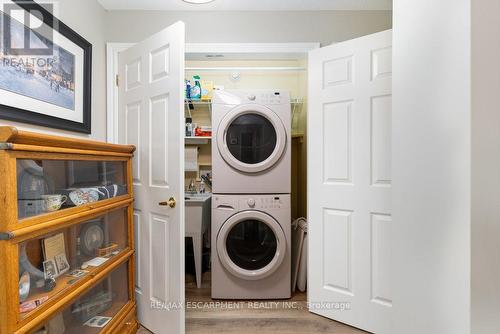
(251, 138)
(251, 245)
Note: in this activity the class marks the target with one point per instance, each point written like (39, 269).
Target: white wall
(432, 166)
(87, 18)
(485, 296)
(293, 26)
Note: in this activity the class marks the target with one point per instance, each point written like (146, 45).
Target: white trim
(297, 50)
(112, 50)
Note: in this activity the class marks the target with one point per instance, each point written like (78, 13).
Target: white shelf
(247, 69)
(198, 102)
(200, 140)
(208, 102)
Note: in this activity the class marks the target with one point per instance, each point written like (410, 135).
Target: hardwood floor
(204, 316)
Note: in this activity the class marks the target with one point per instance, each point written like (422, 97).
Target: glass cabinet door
(95, 309)
(45, 186)
(54, 264)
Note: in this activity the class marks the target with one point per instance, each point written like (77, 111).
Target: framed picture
(45, 68)
(49, 269)
(61, 263)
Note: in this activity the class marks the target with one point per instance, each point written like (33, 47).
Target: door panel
(380, 109)
(349, 181)
(337, 130)
(337, 250)
(150, 116)
(380, 250)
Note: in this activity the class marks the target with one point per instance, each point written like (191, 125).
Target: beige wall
(87, 18)
(259, 27)
(294, 82)
(98, 26)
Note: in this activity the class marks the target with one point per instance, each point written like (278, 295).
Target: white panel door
(151, 75)
(349, 181)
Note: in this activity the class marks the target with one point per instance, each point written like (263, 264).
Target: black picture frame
(25, 116)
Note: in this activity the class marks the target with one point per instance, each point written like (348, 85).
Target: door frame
(252, 50)
(112, 51)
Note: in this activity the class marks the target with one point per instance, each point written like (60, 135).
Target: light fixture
(198, 2)
(235, 76)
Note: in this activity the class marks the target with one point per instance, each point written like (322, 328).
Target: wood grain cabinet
(66, 235)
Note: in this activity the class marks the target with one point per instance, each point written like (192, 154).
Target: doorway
(234, 73)
(247, 248)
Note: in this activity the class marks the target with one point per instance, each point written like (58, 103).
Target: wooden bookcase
(95, 178)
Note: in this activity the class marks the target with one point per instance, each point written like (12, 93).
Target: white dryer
(251, 236)
(251, 144)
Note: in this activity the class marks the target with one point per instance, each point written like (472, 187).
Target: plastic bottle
(202, 187)
(188, 89)
(196, 88)
(189, 126)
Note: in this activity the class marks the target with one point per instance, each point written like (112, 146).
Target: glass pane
(251, 138)
(50, 265)
(50, 185)
(251, 244)
(95, 308)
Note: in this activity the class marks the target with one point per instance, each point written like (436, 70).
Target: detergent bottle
(196, 88)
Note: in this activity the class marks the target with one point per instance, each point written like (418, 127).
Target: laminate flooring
(206, 316)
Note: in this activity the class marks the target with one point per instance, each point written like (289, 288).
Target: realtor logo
(33, 64)
(25, 29)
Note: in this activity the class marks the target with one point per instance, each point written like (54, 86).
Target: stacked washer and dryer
(251, 175)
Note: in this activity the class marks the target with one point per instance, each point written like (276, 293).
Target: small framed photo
(98, 321)
(61, 263)
(49, 269)
(77, 273)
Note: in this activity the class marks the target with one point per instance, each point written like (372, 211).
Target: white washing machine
(251, 144)
(251, 236)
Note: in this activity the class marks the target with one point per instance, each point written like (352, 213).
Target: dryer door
(251, 245)
(251, 138)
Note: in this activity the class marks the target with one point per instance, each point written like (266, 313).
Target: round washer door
(251, 138)
(251, 245)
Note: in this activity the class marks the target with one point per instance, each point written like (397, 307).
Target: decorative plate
(83, 196)
(24, 286)
(91, 238)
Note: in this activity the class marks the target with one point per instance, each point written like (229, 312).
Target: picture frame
(55, 92)
(50, 269)
(61, 264)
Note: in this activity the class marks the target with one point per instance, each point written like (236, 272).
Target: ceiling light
(198, 1)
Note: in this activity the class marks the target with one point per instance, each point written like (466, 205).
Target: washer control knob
(251, 97)
(251, 202)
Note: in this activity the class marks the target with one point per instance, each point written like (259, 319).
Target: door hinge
(117, 80)
(6, 235)
(5, 146)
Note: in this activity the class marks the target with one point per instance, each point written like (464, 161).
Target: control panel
(260, 202)
(268, 97)
(271, 202)
(265, 97)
